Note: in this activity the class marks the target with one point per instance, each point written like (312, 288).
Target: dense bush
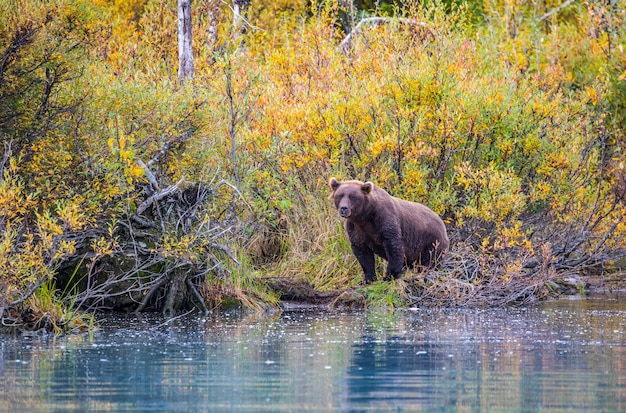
(129, 189)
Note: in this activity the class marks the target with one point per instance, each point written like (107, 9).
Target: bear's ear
(367, 187)
(334, 184)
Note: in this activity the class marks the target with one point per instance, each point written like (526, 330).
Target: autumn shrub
(107, 192)
(41, 43)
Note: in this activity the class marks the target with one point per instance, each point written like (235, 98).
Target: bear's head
(351, 197)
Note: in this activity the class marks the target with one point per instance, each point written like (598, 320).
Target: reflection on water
(563, 356)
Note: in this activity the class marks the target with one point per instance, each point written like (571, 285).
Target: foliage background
(505, 117)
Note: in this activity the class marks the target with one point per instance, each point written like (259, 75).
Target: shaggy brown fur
(404, 233)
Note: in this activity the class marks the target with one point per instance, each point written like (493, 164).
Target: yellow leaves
(15, 200)
(506, 147)
(30, 249)
(184, 248)
(512, 236)
(72, 213)
(532, 143)
(47, 225)
(24, 260)
(48, 229)
(540, 191)
(464, 175)
(492, 195)
(415, 181)
(592, 94)
(66, 247)
(420, 149)
(53, 226)
(120, 144)
(104, 246)
(384, 144)
(7, 242)
(135, 172)
(555, 161)
(123, 146)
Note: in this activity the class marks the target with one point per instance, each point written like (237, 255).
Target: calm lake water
(562, 356)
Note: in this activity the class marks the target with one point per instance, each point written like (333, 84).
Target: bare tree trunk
(185, 52)
(240, 17)
(213, 8)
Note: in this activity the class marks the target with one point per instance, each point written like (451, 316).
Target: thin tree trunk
(185, 52)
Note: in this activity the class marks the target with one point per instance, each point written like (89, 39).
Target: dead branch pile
(467, 279)
(166, 249)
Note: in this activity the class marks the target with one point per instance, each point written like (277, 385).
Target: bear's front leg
(395, 259)
(366, 258)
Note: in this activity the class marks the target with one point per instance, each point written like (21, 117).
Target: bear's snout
(344, 211)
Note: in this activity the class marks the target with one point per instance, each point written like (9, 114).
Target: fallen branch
(141, 221)
(153, 274)
(167, 147)
(194, 291)
(555, 10)
(162, 152)
(162, 281)
(297, 290)
(225, 250)
(158, 196)
(374, 21)
(149, 174)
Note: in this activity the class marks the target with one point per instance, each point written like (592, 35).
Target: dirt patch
(301, 293)
(606, 284)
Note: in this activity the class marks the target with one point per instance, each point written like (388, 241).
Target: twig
(234, 188)
(169, 320)
(242, 18)
(141, 221)
(30, 293)
(225, 250)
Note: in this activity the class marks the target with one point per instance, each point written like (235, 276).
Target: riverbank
(411, 291)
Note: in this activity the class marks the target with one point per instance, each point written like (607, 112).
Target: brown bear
(404, 233)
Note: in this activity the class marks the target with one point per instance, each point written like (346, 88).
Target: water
(562, 356)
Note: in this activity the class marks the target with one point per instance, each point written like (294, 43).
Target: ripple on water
(555, 357)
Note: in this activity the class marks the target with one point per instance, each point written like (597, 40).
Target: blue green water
(557, 357)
